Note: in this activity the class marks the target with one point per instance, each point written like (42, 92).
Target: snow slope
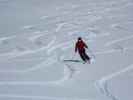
(36, 35)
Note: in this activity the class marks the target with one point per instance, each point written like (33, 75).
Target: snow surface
(36, 35)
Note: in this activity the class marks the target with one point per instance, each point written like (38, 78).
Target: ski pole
(73, 56)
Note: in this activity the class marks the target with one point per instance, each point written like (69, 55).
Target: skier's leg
(82, 56)
(87, 58)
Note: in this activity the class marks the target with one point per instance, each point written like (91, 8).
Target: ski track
(33, 38)
(60, 25)
(66, 76)
(50, 46)
(102, 83)
(14, 53)
(119, 40)
(46, 63)
(38, 97)
(28, 27)
(7, 38)
(59, 46)
(43, 17)
(69, 71)
(39, 66)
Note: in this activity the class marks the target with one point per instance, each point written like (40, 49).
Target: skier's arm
(85, 45)
(76, 47)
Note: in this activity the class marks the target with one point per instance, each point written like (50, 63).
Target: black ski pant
(84, 56)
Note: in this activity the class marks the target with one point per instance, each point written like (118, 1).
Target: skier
(80, 47)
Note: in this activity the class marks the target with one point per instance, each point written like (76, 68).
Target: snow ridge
(102, 83)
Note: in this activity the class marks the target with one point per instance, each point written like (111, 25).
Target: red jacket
(80, 46)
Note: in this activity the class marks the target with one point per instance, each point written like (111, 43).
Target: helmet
(79, 38)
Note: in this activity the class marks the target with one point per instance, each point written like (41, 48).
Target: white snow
(37, 35)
